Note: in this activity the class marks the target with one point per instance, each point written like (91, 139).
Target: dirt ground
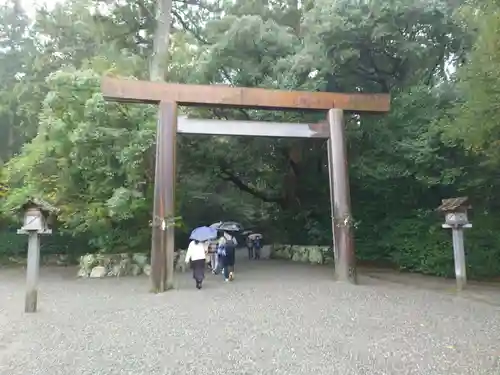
(276, 318)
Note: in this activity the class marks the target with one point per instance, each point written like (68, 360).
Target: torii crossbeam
(169, 95)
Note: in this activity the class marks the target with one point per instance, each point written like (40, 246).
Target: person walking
(249, 244)
(227, 250)
(195, 255)
(220, 252)
(214, 258)
(257, 246)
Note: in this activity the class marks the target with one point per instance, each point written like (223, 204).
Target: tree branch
(212, 7)
(371, 76)
(229, 176)
(186, 27)
(218, 112)
(228, 77)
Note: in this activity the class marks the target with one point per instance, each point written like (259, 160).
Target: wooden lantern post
(35, 214)
(455, 210)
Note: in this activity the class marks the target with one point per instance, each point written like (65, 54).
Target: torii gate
(169, 95)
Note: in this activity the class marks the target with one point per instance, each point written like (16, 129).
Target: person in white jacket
(196, 254)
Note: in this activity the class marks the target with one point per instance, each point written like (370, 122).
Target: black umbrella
(229, 226)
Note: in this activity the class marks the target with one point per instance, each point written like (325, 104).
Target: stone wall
(303, 254)
(116, 265)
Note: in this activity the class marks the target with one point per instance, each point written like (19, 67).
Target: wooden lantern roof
(454, 204)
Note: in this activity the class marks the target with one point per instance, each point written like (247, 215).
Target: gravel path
(276, 318)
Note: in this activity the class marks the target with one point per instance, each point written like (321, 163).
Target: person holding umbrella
(223, 257)
(256, 243)
(196, 252)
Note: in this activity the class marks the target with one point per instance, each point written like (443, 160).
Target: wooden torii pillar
(169, 95)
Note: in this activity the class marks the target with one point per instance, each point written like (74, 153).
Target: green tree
(473, 124)
(95, 159)
(16, 55)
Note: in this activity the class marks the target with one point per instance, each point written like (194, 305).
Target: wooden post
(345, 268)
(157, 258)
(163, 236)
(455, 210)
(332, 211)
(32, 272)
(459, 255)
(168, 112)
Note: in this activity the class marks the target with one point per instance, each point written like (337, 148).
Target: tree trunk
(161, 40)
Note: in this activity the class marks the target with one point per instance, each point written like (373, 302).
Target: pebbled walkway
(276, 318)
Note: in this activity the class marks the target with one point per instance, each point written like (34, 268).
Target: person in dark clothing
(257, 245)
(249, 244)
(228, 253)
(228, 261)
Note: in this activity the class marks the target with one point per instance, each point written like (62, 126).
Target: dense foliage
(95, 160)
